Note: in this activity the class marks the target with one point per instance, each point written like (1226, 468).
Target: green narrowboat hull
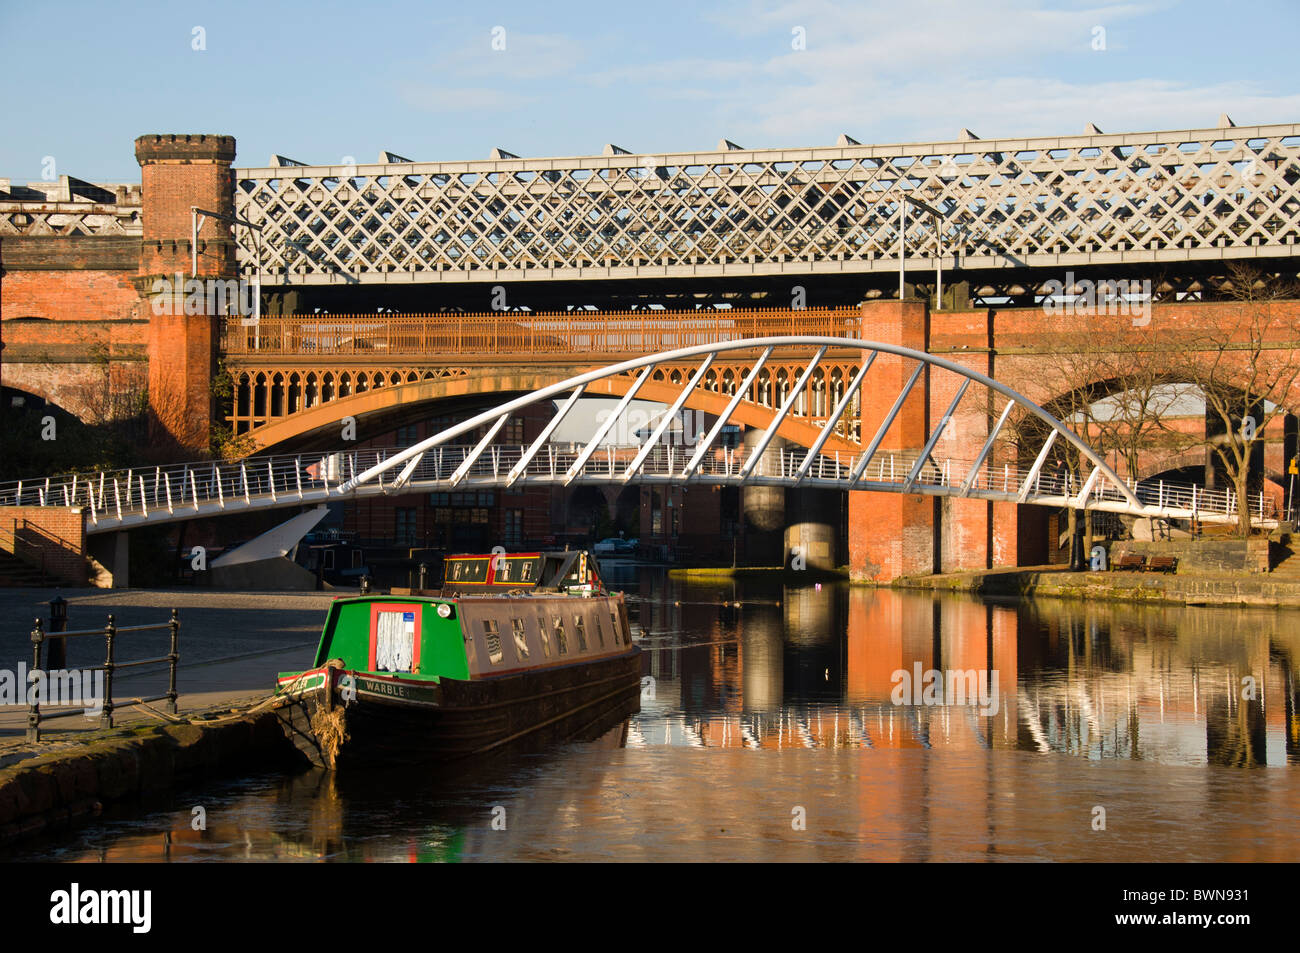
(520, 649)
(381, 721)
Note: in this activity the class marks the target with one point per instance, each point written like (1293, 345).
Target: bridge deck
(123, 499)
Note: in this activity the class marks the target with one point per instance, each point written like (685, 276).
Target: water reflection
(736, 666)
(788, 697)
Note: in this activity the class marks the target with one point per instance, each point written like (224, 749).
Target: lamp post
(197, 217)
(902, 242)
(936, 215)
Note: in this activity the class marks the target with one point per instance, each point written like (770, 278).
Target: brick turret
(180, 172)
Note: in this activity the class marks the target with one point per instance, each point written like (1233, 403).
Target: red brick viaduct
(80, 330)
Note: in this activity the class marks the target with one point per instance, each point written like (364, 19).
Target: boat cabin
(570, 571)
(496, 614)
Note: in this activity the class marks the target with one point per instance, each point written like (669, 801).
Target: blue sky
(321, 81)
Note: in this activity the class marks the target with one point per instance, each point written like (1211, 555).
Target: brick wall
(69, 295)
(47, 537)
(88, 336)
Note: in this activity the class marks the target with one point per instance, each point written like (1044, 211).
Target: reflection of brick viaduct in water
(1097, 675)
(76, 270)
(1113, 687)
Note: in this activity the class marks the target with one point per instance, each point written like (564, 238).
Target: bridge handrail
(523, 332)
(134, 491)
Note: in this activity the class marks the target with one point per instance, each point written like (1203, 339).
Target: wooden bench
(1131, 562)
(1162, 563)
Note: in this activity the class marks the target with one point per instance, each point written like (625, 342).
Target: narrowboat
(512, 648)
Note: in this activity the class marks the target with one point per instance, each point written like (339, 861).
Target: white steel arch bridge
(117, 500)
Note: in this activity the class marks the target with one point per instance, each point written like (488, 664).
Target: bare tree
(1246, 364)
(1111, 379)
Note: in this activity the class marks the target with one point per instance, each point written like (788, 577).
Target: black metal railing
(110, 632)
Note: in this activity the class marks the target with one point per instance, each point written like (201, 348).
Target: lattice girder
(1163, 196)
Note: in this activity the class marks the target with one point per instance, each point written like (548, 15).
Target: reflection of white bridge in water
(852, 725)
(127, 498)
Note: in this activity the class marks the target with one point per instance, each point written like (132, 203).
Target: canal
(831, 722)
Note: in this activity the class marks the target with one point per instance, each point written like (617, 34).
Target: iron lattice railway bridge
(1001, 216)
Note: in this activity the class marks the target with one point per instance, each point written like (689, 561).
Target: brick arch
(1179, 461)
(71, 392)
(384, 400)
(34, 389)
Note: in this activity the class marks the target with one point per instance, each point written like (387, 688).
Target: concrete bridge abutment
(110, 557)
(812, 529)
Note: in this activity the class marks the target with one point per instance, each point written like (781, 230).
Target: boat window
(600, 632)
(526, 571)
(613, 619)
(468, 570)
(502, 571)
(561, 642)
(546, 636)
(493, 638)
(521, 640)
(580, 624)
(394, 641)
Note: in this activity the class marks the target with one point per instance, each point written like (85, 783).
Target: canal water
(829, 722)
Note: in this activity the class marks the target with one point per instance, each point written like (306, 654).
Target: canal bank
(44, 788)
(77, 770)
(1057, 582)
(231, 647)
(776, 575)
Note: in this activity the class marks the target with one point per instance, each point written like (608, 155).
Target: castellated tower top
(191, 147)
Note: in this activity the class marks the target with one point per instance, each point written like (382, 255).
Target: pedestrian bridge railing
(124, 498)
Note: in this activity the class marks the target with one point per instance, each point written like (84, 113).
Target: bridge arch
(657, 373)
(1175, 424)
(388, 405)
(80, 398)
